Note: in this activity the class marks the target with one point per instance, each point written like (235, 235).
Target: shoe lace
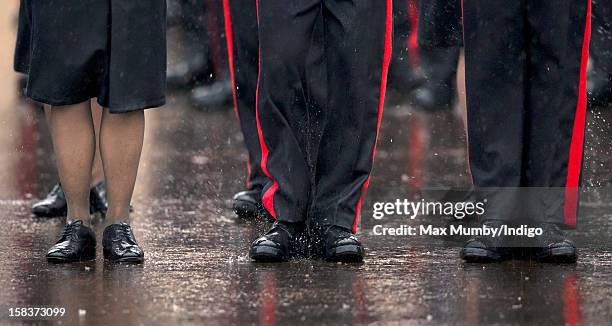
(124, 231)
(69, 230)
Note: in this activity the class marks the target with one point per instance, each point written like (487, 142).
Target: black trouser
(195, 24)
(323, 68)
(405, 60)
(440, 43)
(526, 97)
(440, 23)
(440, 70)
(243, 49)
(601, 42)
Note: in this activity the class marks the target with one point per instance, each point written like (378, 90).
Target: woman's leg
(121, 138)
(74, 144)
(97, 172)
(54, 204)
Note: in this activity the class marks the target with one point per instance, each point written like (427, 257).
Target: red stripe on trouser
(229, 38)
(575, 156)
(268, 197)
(381, 101)
(413, 43)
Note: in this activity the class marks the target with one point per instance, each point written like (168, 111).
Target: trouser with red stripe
(526, 97)
(243, 49)
(323, 68)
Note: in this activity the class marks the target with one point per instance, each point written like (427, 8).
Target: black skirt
(112, 50)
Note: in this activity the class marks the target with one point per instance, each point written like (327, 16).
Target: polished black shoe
(275, 245)
(214, 95)
(485, 249)
(77, 243)
(247, 206)
(119, 244)
(53, 205)
(553, 246)
(339, 244)
(186, 71)
(98, 203)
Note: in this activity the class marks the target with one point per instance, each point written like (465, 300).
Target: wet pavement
(197, 270)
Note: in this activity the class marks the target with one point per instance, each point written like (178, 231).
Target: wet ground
(197, 270)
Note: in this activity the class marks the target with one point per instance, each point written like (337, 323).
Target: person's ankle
(84, 219)
(79, 214)
(115, 220)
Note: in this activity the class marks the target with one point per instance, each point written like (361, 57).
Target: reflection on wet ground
(197, 270)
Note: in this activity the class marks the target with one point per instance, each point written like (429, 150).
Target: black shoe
(485, 249)
(247, 206)
(275, 245)
(185, 72)
(341, 245)
(97, 199)
(119, 244)
(553, 246)
(53, 205)
(214, 95)
(77, 243)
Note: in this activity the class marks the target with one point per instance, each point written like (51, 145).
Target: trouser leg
(404, 71)
(440, 69)
(291, 87)
(555, 107)
(601, 42)
(495, 68)
(243, 49)
(358, 50)
(196, 32)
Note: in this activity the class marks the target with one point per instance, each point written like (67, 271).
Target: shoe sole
(131, 259)
(89, 253)
(48, 213)
(267, 254)
(557, 255)
(478, 255)
(346, 254)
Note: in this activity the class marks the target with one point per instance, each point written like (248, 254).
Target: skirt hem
(137, 106)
